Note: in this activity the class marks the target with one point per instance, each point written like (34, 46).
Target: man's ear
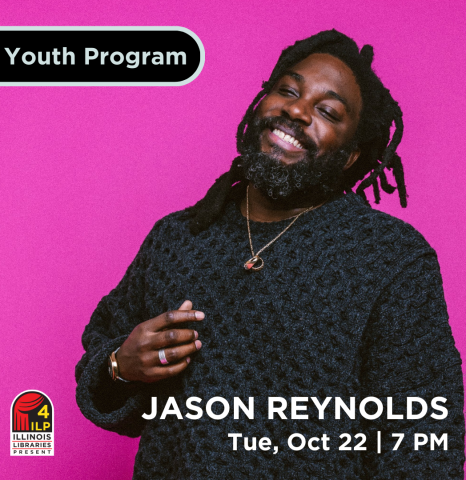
(352, 158)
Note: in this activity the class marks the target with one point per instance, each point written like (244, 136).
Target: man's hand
(138, 357)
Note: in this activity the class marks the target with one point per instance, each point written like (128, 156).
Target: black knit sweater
(349, 304)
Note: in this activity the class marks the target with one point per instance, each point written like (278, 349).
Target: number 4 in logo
(44, 412)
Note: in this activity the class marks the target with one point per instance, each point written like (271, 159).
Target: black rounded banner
(99, 56)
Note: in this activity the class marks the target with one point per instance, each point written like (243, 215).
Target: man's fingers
(174, 317)
(167, 338)
(160, 373)
(186, 305)
(175, 354)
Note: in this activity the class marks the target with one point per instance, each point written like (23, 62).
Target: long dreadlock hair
(379, 112)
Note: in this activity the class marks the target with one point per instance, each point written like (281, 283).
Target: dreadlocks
(379, 112)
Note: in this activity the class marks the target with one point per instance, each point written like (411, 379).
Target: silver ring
(162, 357)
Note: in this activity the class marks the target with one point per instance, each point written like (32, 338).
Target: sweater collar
(336, 204)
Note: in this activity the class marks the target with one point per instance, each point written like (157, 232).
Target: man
(297, 289)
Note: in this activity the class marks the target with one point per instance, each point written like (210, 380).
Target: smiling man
(324, 318)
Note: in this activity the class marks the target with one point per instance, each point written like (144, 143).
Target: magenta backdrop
(85, 172)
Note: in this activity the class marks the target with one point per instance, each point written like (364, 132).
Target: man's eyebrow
(335, 95)
(300, 79)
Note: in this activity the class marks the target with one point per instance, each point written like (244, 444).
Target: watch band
(113, 367)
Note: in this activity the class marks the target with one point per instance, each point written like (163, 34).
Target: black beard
(311, 180)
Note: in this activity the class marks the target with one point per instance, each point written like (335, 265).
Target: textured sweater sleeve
(114, 406)
(410, 352)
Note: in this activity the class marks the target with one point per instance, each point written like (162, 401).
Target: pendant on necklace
(255, 263)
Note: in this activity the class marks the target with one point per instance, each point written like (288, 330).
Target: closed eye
(328, 115)
(287, 92)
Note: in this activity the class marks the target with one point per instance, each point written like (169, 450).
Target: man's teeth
(287, 138)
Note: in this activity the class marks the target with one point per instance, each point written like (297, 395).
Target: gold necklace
(255, 262)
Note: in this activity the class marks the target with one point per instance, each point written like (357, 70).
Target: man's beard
(311, 180)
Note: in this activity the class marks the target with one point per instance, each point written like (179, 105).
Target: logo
(31, 427)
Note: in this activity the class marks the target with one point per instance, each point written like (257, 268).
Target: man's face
(302, 130)
(322, 101)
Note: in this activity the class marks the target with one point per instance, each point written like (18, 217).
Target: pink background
(85, 172)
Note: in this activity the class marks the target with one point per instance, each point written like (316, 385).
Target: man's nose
(298, 110)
